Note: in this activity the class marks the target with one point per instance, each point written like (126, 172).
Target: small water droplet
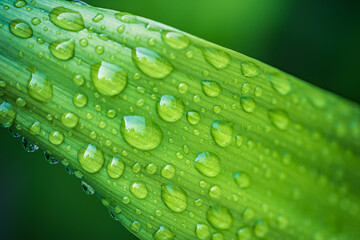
(279, 118)
(219, 217)
(210, 88)
(249, 69)
(115, 168)
(56, 137)
(20, 29)
(170, 108)
(109, 79)
(222, 132)
(217, 236)
(215, 192)
(20, 102)
(217, 58)
(175, 39)
(193, 117)
(36, 21)
(63, 49)
(248, 104)
(174, 197)
(80, 100)
(208, 164)
(39, 87)
(87, 188)
(244, 233)
(135, 226)
(98, 17)
(126, 17)
(35, 128)
(69, 119)
(280, 83)
(140, 132)
(168, 171)
(50, 159)
(261, 228)
(29, 146)
(183, 88)
(7, 114)
(91, 158)
(202, 231)
(139, 190)
(242, 179)
(163, 233)
(66, 19)
(151, 63)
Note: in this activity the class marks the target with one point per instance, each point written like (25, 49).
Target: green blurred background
(317, 41)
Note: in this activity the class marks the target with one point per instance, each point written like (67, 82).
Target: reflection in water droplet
(56, 137)
(279, 118)
(50, 159)
(69, 119)
(222, 132)
(63, 49)
(91, 158)
(170, 108)
(202, 231)
(175, 39)
(80, 100)
(248, 104)
(219, 217)
(208, 164)
(151, 63)
(193, 117)
(7, 114)
(29, 146)
(280, 83)
(126, 17)
(40, 88)
(140, 132)
(35, 128)
(242, 179)
(115, 168)
(66, 19)
(87, 188)
(20, 29)
(168, 171)
(135, 226)
(217, 58)
(210, 88)
(261, 228)
(139, 190)
(174, 197)
(19, 3)
(163, 233)
(249, 69)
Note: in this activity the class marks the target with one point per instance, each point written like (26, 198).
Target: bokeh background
(317, 41)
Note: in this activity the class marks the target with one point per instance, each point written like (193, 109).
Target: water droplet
(63, 49)
(56, 137)
(20, 102)
(7, 114)
(66, 19)
(219, 217)
(244, 233)
(139, 190)
(20, 29)
(126, 17)
(109, 79)
(248, 213)
(248, 104)
(258, 91)
(217, 236)
(222, 132)
(215, 192)
(168, 171)
(91, 158)
(202, 231)
(261, 228)
(50, 159)
(175, 39)
(242, 179)
(14, 134)
(36, 21)
(69, 119)
(163, 233)
(210, 88)
(217, 58)
(174, 197)
(80, 100)
(170, 108)
(87, 188)
(193, 117)
(29, 146)
(35, 128)
(40, 88)
(140, 132)
(249, 69)
(151, 63)
(98, 17)
(183, 88)
(280, 83)
(208, 164)
(151, 168)
(279, 118)
(115, 168)
(135, 226)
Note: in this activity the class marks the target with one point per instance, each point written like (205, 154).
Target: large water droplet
(208, 164)
(249, 69)
(29, 146)
(115, 168)
(170, 108)
(210, 88)
(242, 179)
(56, 138)
(174, 197)
(163, 233)
(69, 119)
(140, 132)
(280, 83)
(87, 188)
(7, 114)
(175, 39)
(66, 19)
(139, 190)
(63, 49)
(219, 217)
(151, 63)
(261, 228)
(248, 104)
(217, 58)
(202, 231)
(109, 79)
(39, 87)
(20, 29)
(244, 233)
(279, 118)
(222, 132)
(91, 158)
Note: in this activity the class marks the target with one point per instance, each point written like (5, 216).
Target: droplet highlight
(170, 108)
(7, 114)
(20, 29)
(40, 88)
(175, 40)
(174, 197)
(91, 158)
(222, 132)
(208, 164)
(63, 49)
(139, 190)
(211, 89)
(66, 19)
(219, 217)
(217, 58)
(115, 168)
